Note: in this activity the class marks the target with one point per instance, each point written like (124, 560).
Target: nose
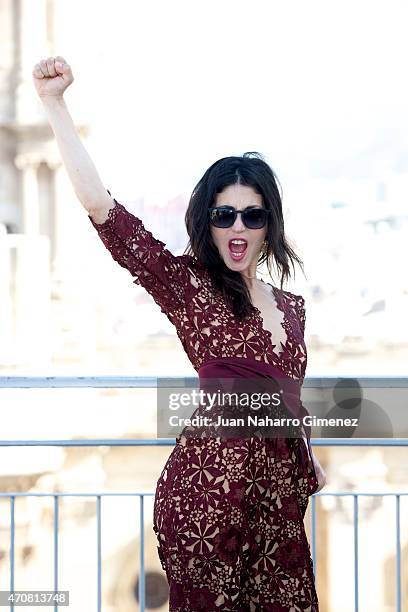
(238, 224)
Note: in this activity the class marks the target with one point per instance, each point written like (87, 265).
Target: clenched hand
(52, 76)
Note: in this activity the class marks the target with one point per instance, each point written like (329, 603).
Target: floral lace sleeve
(168, 278)
(300, 306)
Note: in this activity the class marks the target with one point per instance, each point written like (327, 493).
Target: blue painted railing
(150, 382)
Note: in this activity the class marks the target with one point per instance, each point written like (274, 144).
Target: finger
(44, 68)
(41, 68)
(37, 72)
(51, 67)
(62, 67)
(59, 58)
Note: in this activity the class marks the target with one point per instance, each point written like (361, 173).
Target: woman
(228, 511)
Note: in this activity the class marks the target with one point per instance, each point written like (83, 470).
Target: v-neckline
(276, 293)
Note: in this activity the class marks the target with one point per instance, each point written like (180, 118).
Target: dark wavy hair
(251, 170)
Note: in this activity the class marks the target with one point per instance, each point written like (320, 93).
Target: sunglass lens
(255, 218)
(222, 217)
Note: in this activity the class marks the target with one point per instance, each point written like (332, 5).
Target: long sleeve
(300, 306)
(169, 279)
(307, 456)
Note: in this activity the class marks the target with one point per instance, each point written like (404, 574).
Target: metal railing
(149, 382)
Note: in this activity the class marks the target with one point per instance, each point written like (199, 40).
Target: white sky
(169, 87)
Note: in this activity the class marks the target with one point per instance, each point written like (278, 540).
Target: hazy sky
(169, 87)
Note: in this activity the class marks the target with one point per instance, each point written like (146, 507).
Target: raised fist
(52, 76)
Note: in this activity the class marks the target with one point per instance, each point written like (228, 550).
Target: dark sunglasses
(224, 216)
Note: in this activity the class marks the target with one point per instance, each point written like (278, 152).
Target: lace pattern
(183, 289)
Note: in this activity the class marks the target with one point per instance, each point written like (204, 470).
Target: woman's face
(244, 257)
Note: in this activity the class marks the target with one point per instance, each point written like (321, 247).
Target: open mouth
(237, 248)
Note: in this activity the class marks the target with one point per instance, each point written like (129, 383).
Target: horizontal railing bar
(89, 442)
(86, 494)
(40, 382)
(359, 441)
(172, 441)
(35, 382)
(138, 494)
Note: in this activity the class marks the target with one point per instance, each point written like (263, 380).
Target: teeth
(238, 241)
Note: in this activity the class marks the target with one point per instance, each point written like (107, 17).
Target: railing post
(356, 552)
(12, 537)
(56, 519)
(142, 560)
(314, 557)
(99, 550)
(398, 551)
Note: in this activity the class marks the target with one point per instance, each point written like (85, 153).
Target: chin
(236, 266)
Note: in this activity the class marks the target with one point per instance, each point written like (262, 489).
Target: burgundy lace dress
(228, 513)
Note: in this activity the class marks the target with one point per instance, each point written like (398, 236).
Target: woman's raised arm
(51, 78)
(170, 279)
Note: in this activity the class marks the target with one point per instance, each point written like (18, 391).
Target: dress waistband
(267, 377)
